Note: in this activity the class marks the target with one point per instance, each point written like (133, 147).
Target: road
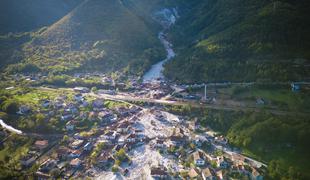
(129, 98)
(188, 103)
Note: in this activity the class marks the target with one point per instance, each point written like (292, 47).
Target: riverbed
(166, 18)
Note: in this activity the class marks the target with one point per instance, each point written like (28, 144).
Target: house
(47, 165)
(210, 157)
(177, 140)
(85, 104)
(123, 127)
(109, 92)
(78, 97)
(70, 125)
(221, 163)
(159, 143)
(139, 129)
(28, 160)
(111, 135)
(92, 116)
(61, 98)
(104, 158)
(221, 140)
(76, 144)
(59, 104)
(71, 108)
(131, 138)
(199, 140)
(98, 103)
(140, 136)
(62, 153)
(220, 174)
(61, 165)
(75, 154)
(23, 110)
(83, 115)
(208, 174)
(159, 173)
(88, 146)
(295, 87)
(198, 158)
(121, 141)
(193, 173)
(159, 116)
(107, 80)
(107, 117)
(117, 148)
(237, 158)
(41, 144)
(81, 89)
(123, 112)
(135, 109)
(255, 175)
(194, 125)
(66, 116)
(75, 163)
(260, 101)
(78, 136)
(46, 103)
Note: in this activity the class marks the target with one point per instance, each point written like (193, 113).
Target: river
(10, 128)
(166, 17)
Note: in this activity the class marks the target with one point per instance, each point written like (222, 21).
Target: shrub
(115, 169)
(10, 106)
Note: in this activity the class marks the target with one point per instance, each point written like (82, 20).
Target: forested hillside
(241, 40)
(19, 18)
(27, 15)
(97, 35)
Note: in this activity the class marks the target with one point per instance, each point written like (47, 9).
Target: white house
(131, 138)
(198, 158)
(70, 125)
(78, 97)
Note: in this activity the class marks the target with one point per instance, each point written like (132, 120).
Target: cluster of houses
(115, 131)
(37, 149)
(152, 90)
(210, 166)
(207, 164)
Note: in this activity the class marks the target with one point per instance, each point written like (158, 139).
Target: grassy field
(115, 104)
(280, 97)
(283, 98)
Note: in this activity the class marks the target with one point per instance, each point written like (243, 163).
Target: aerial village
(128, 141)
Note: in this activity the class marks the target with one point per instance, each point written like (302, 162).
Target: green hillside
(28, 15)
(241, 40)
(20, 17)
(97, 35)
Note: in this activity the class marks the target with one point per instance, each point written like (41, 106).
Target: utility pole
(205, 92)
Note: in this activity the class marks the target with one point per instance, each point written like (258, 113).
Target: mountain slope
(19, 17)
(27, 15)
(241, 41)
(97, 35)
